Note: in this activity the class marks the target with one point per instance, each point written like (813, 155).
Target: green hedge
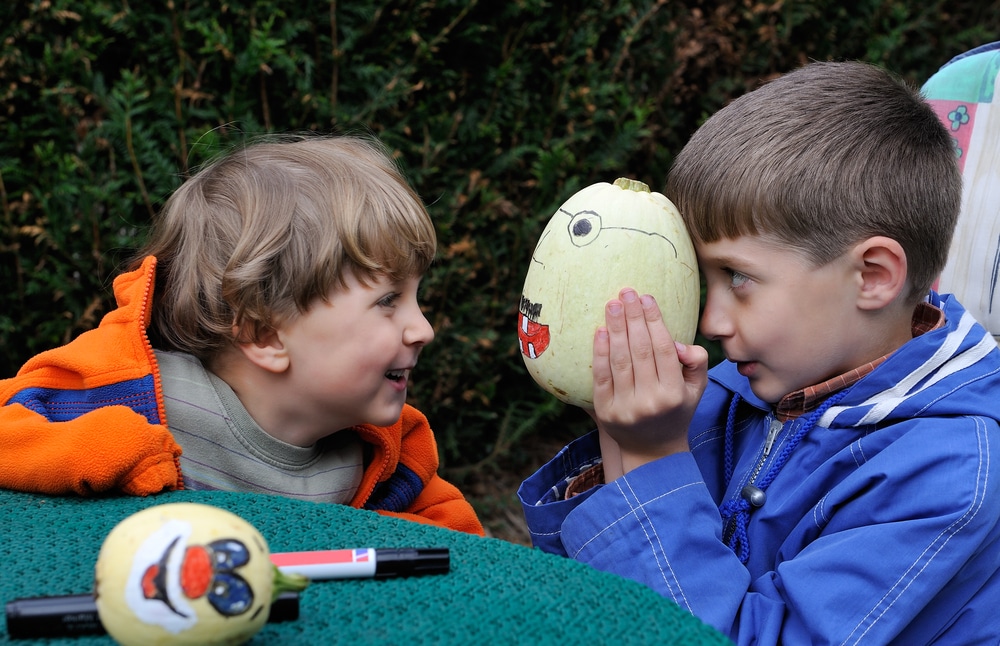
(498, 111)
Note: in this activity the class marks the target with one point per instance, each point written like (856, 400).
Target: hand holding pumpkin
(646, 386)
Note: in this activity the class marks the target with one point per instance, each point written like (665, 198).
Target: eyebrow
(725, 260)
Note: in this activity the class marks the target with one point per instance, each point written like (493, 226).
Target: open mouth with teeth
(532, 337)
(396, 375)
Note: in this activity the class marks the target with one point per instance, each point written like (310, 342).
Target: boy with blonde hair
(835, 479)
(263, 341)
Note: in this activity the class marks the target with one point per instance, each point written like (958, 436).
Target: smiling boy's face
(786, 323)
(351, 357)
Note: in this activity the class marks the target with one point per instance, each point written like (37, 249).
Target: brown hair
(819, 159)
(257, 235)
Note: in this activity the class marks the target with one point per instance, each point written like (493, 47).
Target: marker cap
(411, 561)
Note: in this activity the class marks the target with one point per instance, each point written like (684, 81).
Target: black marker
(75, 615)
(364, 562)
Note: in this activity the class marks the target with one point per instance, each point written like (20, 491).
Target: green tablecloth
(497, 592)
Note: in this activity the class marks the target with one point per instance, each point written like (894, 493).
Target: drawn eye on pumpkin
(584, 227)
(230, 594)
(229, 554)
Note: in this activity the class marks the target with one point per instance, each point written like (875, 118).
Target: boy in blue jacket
(837, 478)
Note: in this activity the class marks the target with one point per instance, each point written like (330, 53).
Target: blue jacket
(881, 527)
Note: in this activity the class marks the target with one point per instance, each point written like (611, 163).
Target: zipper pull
(754, 495)
(772, 435)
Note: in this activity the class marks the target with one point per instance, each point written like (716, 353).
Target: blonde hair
(819, 159)
(257, 235)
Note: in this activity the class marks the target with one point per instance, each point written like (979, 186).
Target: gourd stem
(627, 184)
(287, 583)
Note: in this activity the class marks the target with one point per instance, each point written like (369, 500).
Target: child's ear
(881, 266)
(267, 352)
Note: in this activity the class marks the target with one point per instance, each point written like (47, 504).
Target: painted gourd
(186, 573)
(602, 239)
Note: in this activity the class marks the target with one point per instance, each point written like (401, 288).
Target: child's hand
(646, 386)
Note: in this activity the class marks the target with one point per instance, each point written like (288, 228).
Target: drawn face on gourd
(602, 239)
(183, 574)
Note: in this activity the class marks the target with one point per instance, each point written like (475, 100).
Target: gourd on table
(186, 573)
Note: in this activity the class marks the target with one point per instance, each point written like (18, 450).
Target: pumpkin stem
(627, 184)
(287, 582)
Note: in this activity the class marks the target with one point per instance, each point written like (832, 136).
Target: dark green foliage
(498, 111)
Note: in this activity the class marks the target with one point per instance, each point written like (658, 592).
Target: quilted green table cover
(496, 592)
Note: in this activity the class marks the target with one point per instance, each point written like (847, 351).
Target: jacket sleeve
(107, 449)
(899, 542)
(405, 466)
(543, 494)
(442, 504)
(86, 417)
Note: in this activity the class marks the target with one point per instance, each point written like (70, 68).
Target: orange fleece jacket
(88, 417)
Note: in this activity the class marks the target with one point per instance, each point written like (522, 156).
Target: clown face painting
(183, 573)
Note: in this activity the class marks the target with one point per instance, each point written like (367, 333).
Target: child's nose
(419, 331)
(715, 323)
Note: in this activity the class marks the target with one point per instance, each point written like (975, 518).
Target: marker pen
(364, 562)
(75, 615)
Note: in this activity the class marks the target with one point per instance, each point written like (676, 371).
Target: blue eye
(389, 300)
(736, 279)
(229, 554)
(230, 594)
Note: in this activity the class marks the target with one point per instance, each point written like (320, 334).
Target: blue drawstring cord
(737, 510)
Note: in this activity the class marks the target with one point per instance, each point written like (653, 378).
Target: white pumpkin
(602, 239)
(186, 573)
